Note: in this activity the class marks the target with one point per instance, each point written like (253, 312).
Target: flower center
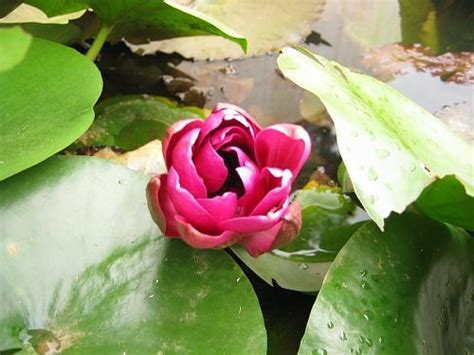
(233, 183)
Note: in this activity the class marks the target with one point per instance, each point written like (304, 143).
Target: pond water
(359, 34)
(385, 38)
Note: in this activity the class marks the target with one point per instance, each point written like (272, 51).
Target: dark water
(359, 34)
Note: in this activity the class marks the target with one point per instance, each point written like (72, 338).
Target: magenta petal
(226, 113)
(280, 234)
(183, 164)
(161, 206)
(250, 177)
(200, 240)
(220, 207)
(173, 135)
(187, 206)
(252, 224)
(277, 194)
(210, 166)
(232, 136)
(284, 146)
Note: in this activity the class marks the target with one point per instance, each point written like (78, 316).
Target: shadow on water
(348, 32)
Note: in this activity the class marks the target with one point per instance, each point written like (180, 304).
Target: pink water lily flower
(229, 182)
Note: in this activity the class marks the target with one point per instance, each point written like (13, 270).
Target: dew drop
(365, 285)
(366, 316)
(363, 272)
(381, 340)
(342, 336)
(330, 325)
(412, 167)
(373, 175)
(320, 352)
(382, 153)
(368, 341)
(238, 279)
(304, 266)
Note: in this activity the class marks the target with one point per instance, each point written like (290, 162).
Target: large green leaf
(446, 201)
(145, 20)
(329, 220)
(47, 102)
(14, 44)
(128, 122)
(84, 268)
(392, 148)
(408, 290)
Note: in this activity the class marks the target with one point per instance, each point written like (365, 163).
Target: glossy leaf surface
(392, 148)
(408, 290)
(47, 102)
(84, 269)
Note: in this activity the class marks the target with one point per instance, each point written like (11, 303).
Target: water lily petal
(188, 207)
(182, 162)
(284, 146)
(225, 115)
(174, 134)
(252, 224)
(278, 184)
(161, 206)
(211, 167)
(280, 234)
(200, 240)
(220, 207)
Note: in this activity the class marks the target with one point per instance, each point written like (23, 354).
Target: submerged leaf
(392, 148)
(129, 122)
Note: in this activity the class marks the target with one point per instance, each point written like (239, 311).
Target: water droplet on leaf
(304, 266)
(342, 336)
(382, 153)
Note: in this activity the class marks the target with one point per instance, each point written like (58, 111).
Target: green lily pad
(84, 270)
(14, 44)
(47, 102)
(408, 290)
(141, 21)
(129, 122)
(445, 201)
(392, 148)
(329, 220)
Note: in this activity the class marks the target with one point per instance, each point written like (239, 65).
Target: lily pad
(47, 102)
(445, 201)
(267, 25)
(141, 21)
(408, 290)
(84, 270)
(329, 220)
(129, 122)
(14, 44)
(392, 148)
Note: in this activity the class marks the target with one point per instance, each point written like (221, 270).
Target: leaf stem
(99, 41)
